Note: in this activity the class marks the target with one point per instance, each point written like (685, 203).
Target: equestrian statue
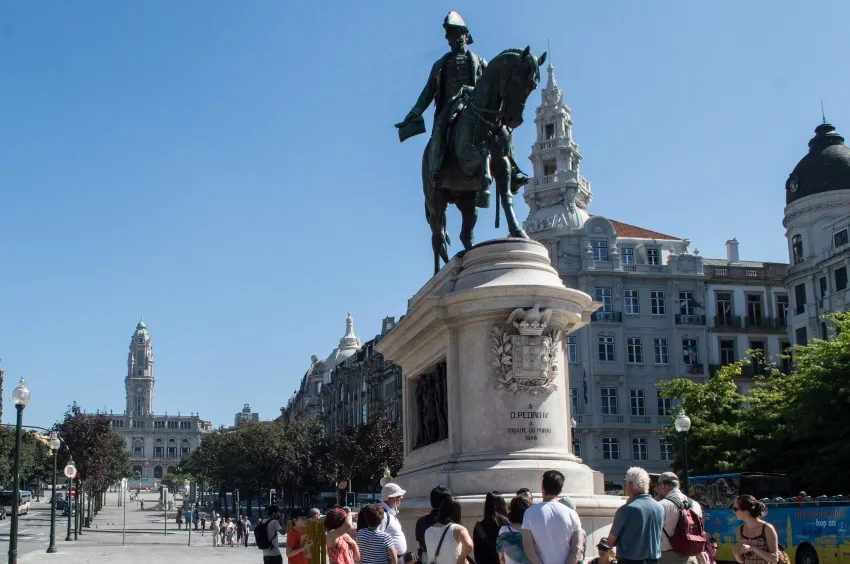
(477, 105)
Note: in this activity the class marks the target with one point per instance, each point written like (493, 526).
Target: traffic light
(273, 497)
(350, 499)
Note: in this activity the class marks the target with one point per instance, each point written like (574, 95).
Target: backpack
(261, 535)
(688, 538)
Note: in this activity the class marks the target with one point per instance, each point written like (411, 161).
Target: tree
(361, 453)
(98, 452)
(34, 454)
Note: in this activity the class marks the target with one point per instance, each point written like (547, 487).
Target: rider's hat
(453, 20)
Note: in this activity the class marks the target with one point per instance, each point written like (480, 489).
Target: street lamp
(682, 423)
(55, 443)
(20, 398)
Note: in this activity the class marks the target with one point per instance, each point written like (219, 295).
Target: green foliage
(796, 423)
(34, 454)
(361, 453)
(98, 452)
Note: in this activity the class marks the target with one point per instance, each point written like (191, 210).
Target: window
(138, 424)
(634, 350)
(631, 305)
(172, 452)
(158, 452)
(639, 449)
(549, 168)
(801, 337)
(800, 298)
(656, 302)
(824, 288)
(727, 351)
(609, 401)
(840, 278)
(364, 414)
(797, 249)
(604, 295)
(824, 333)
(185, 424)
(724, 308)
(572, 349)
(665, 406)
(600, 250)
(653, 256)
(758, 356)
(606, 348)
(610, 448)
(577, 446)
(627, 255)
(574, 403)
(661, 351)
(318, 388)
(687, 305)
(840, 239)
(689, 351)
(782, 310)
(667, 449)
(159, 424)
(138, 405)
(637, 402)
(138, 451)
(550, 131)
(754, 309)
(785, 361)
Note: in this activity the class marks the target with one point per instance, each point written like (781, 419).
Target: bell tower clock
(140, 380)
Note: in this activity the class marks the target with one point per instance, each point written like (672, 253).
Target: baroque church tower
(139, 381)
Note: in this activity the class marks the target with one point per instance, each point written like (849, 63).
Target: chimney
(732, 251)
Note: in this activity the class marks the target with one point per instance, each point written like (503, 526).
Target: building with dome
(666, 312)
(817, 222)
(156, 443)
(349, 386)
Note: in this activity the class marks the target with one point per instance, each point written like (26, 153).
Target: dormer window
(840, 239)
(600, 250)
(797, 248)
(653, 256)
(550, 131)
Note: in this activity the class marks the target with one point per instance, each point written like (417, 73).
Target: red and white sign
(71, 472)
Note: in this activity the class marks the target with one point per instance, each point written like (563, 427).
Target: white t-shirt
(552, 525)
(274, 528)
(392, 527)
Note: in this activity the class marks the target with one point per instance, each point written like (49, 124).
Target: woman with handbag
(447, 541)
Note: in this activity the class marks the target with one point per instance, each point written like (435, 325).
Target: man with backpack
(266, 536)
(683, 535)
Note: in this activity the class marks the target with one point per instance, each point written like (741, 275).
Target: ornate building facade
(817, 223)
(654, 321)
(156, 443)
(245, 416)
(350, 386)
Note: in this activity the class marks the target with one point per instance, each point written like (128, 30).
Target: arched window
(138, 448)
(138, 403)
(797, 249)
(172, 448)
(184, 447)
(157, 472)
(158, 449)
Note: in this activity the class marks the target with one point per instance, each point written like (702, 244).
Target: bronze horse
(477, 153)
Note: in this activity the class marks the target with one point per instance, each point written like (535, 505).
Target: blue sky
(230, 170)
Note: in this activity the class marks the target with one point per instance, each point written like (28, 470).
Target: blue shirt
(637, 526)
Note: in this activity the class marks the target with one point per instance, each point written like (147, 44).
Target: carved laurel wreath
(501, 354)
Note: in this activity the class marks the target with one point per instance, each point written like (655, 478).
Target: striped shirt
(373, 546)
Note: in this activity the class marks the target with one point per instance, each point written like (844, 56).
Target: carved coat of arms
(524, 355)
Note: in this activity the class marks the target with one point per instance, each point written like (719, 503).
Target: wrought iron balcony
(692, 319)
(608, 316)
(694, 368)
(728, 321)
(758, 322)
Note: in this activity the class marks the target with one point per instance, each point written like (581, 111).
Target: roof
(741, 263)
(825, 168)
(634, 232)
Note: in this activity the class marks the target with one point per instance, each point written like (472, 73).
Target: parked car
(72, 509)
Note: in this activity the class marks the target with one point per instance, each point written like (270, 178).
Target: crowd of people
(647, 529)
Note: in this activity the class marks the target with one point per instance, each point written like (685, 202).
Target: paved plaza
(145, 540)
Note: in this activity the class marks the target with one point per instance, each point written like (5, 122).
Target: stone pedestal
(485, 383)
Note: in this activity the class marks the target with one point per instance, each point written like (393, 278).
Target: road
(33, 529)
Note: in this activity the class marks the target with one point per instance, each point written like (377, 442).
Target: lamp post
(55, 443)
(20, 398)
(683, 425)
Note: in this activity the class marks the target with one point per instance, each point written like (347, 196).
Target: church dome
(825, 168)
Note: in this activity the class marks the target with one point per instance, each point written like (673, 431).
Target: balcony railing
(758, 322)
(780, 322)
(584, 420)
(728, 321)
(607, 316)
(645, 268)
(684, 319)
(694, 368)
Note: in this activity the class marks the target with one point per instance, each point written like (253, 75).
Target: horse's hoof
(519, 233)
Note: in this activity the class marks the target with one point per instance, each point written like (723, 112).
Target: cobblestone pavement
(145, 540)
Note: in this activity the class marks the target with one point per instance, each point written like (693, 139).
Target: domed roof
(824, 169)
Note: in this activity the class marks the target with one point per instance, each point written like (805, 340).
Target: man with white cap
(391, 496)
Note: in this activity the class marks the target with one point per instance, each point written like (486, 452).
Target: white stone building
(245, 416)
(817, 222)
(156, 443)
(658, 298)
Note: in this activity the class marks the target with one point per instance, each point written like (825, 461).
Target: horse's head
(517, 81)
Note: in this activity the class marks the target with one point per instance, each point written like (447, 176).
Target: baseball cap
(603, 544)
(667, 477)
(391, 490)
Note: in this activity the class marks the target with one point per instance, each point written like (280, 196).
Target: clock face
(792, 184)
(139, 390)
